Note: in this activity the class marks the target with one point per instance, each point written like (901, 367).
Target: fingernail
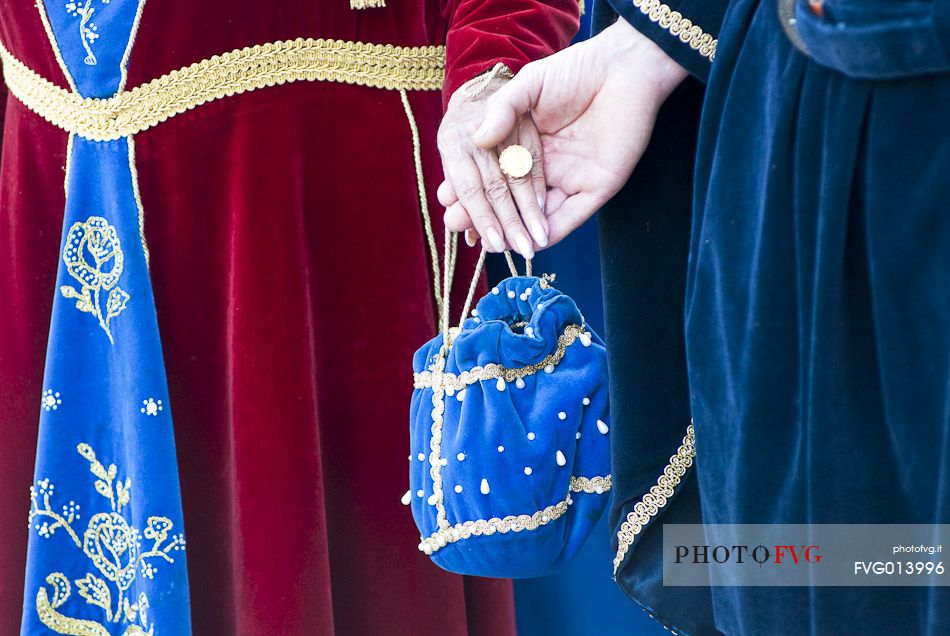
(524, 246)
(541, 203)
(494, 240)
(470, 238)
(539, 234)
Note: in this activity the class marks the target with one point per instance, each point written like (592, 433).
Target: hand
(501, 209)
(595, 105)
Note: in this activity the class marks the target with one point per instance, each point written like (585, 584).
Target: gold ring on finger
(515, 161)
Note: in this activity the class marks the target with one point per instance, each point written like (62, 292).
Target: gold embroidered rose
(93, 256)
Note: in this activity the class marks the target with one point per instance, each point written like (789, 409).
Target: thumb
(503, 109)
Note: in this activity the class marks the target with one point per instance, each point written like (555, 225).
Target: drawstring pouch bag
(509, 432)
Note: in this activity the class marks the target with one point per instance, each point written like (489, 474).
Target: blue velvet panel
(107, 545)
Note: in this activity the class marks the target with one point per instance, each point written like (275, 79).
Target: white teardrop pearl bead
(519, 383)
(406, 498)
(484, 487)
(549, 368)
(460, 396)
(500, 384)
(602, 427)
(561, 460)
(432, 499)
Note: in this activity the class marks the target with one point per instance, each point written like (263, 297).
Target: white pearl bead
(501, 449)
(511, 294)
(419, 493)
(527, 470)
(519, 383)
(531, 436)
(586, 401)
(562, 416)
(449, 391)
(500, 384)
(577, 435)
(527, 292)
(422, 457)
(549, 368)
(458, 488)
(585, 339)
(523, 296)
(561, 460)
(528, 331)
(406, 498)
(484, 487)
(432, 499)
(602, 427)
(460, 395)
(474, 312)
(460, 457)
(494, 290)
(444, 461)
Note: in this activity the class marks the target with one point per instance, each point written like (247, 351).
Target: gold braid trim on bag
(512, 523)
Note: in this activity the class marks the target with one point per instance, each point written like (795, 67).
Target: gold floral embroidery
(114, 548)
(676, 24)
(94, 257)
(651, 503)
(494, 371)
(131, 111)
(512, 523)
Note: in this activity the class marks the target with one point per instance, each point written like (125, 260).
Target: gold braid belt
(132, 111)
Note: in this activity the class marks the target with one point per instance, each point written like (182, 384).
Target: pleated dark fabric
(817, 311)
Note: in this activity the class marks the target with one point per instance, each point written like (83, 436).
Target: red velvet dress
(292, 286)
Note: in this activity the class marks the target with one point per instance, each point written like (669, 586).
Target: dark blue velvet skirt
(818, 315)
(817, 328)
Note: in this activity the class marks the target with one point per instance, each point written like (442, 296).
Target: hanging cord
(424, 205)
(450, 248)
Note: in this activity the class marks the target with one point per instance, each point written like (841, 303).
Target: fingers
(456, 218)
(529, 191)
(466, 180)
(511, 101)
(499, 195)
(571, 214)
(446, 194)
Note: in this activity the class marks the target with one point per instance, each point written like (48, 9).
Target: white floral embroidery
(88, 31)
(151, 407)
(51, 400)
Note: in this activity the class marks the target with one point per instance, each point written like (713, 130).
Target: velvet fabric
(291, 286)
(513, 447)
(816, 318)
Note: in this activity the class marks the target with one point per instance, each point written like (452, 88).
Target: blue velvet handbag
(510, 462)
